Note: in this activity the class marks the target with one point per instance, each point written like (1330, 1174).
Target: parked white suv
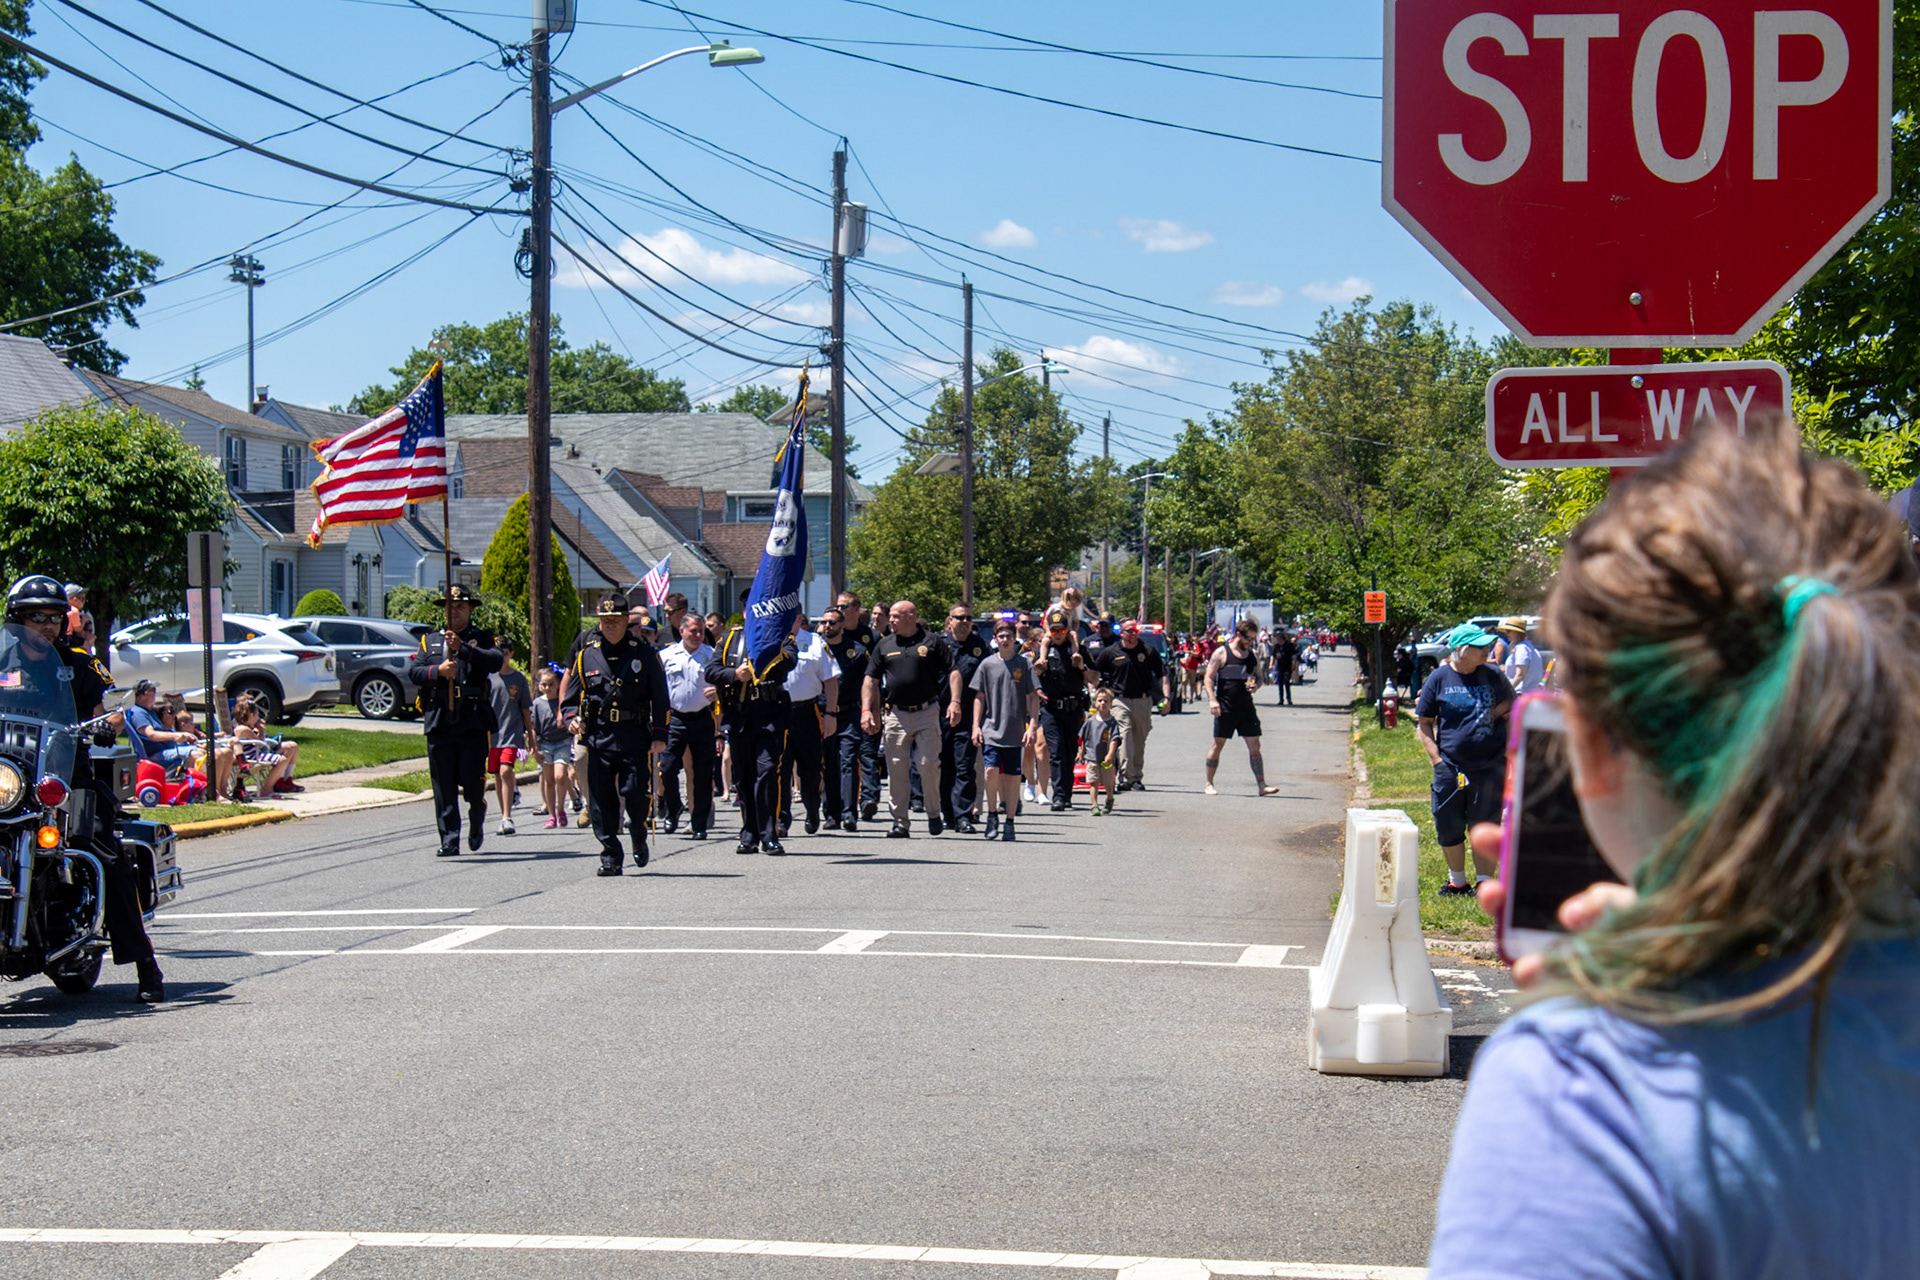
(286, 668)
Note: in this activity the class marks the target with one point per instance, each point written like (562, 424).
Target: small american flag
(374, 471)
(658, 581)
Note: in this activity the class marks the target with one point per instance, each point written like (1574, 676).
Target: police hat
(613, 606)
(459, 593)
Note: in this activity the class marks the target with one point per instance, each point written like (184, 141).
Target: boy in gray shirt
(512, 724)
(1003, 723)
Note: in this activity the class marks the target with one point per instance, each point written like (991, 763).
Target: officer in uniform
(966, 650)
(911, 671)
(38, 604)
(617, 703)
(866, 745)
(842, 778)
(757, 709)
(690, 726)
(456, 702)
(1063, 675)
(813, 686)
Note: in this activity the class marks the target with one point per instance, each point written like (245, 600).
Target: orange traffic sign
(1376, 606)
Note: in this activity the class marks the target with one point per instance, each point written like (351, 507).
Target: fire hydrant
(1390, 707)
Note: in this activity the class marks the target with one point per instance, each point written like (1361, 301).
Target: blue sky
(1258, 239)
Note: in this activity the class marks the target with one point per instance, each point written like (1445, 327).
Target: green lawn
(416, 782)
(180, 814)
(1401, 777)
(335, 750)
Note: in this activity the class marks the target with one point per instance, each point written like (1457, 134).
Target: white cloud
(1159, 235)
(1247, 293)
(1008, 234)
(1102, 355)
(676, 256)
(820, 313)
(1335, 295)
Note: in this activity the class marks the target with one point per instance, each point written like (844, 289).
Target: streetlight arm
(1048, 365)
(604, 85)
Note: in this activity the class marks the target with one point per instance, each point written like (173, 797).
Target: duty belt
(764, 693)
(905, 709)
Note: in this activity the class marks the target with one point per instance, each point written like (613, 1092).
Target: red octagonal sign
(1635, 173)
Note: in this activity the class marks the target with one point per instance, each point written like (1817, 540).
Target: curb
(215, 826)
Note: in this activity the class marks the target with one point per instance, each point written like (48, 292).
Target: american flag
(658, 581)
(374, 471)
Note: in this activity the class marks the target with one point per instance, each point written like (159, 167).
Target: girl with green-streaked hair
(1723, 1076)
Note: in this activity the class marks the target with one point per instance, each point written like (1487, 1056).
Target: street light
(1145, 498)
(539, 336)
(1193, 574)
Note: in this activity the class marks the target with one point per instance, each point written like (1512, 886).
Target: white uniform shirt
(808, 679)
(686, 677)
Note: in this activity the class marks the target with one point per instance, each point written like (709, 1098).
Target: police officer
(842, 778)
(866, 745)
(966, 650)
(814, 688)
(1064, 676)
(617, 703)
(39, 604)
(911, 671)
(456, 702)
(1135, 674)
(690, 726)
(757, 709)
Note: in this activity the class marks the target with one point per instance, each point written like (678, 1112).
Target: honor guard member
(617, 703)
(911, 672)
(841, 797)
(690, 726)
(813, 686)
(1064, 676)
(756, 708)
(456, 704)
(966, 650)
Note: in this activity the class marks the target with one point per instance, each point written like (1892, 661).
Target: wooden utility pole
(837, 405)
(966, 446)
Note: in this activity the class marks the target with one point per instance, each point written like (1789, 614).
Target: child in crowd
(1100, 750)
(554, 745)
(276, 755)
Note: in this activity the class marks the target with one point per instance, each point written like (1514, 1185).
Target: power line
(503, 48)
(242, 143)
(1037, 97)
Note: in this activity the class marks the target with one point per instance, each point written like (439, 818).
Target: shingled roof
(32, 378)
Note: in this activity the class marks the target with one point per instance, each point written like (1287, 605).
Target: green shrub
(503, 580)
(322, 602)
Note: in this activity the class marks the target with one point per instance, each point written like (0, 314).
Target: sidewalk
(349, 789)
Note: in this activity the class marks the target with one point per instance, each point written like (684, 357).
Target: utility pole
(1166, 583)
(966, 445)
(1146, 565)
(837, 405)
(1106, 453)
(1193, 587)
(248, 271)
(539, 385)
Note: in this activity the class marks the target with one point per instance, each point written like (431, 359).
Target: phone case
(1515, 720)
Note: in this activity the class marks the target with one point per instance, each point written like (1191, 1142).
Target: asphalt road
(1062, 1046)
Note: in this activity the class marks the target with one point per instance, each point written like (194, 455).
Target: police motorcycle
(52, 887)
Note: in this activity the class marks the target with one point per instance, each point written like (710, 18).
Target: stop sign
(1643, 175)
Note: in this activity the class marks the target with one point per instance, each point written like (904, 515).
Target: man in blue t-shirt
(1462, 711)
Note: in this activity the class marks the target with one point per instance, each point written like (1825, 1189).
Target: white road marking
(291, 1260)
(458, 938)
(757, 951)
(275, 915)
(1266, 957)
(853, 942)
(1129, 1268)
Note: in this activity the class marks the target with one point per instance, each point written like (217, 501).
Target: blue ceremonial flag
(774, 601)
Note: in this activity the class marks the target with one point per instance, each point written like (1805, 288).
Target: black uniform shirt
(769, 691)
(912, 670)
(619, 689)
(851, 654)
(1130, 673)
(1062, 684)
(472, 709)
(966, 657)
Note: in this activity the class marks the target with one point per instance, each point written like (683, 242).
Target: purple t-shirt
(1595, 1148)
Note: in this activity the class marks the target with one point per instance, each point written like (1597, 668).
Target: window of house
(289, 466)
(236, 459)
(756, 509)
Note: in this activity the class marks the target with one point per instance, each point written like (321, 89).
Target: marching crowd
(967, 725)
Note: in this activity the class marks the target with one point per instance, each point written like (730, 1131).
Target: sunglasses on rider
(44, 619)
(960, 617)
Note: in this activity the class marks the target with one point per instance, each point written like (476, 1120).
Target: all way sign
(1622, 415)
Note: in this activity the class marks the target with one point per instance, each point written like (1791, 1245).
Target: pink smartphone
(1546, 855)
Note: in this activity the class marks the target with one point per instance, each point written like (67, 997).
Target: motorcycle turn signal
(47, 837)
(51, 792)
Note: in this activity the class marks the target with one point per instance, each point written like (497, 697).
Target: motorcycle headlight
(12, 786)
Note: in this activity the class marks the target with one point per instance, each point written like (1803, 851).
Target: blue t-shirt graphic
(1470, 738)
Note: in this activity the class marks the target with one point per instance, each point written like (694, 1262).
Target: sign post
(1376, 602)
(206, 570)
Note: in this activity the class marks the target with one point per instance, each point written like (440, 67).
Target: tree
(1192, 509)
(503, 580)
(1035, 508)
(105, 496)
(61, 251)
(486, 372)
(762, 402)
(194, 381)
(1363, 455)
(322, 602)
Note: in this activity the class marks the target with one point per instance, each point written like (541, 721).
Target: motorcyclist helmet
(35, 593)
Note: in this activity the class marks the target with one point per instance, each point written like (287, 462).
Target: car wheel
(264, 696)
(377, 698)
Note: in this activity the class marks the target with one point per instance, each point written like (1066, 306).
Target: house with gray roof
(34, 379)
(727, 457)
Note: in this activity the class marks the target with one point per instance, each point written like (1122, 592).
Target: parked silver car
(371, 656)
(280, 663)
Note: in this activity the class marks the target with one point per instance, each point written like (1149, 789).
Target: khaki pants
(1135, 719)
(912, 736)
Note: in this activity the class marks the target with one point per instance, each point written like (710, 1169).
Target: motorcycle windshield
(33, 680)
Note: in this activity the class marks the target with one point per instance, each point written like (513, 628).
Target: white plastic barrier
(1377, 1010)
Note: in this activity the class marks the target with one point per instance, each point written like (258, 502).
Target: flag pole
(446, 592)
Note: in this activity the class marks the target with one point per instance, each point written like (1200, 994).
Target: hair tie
(1798, 591)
